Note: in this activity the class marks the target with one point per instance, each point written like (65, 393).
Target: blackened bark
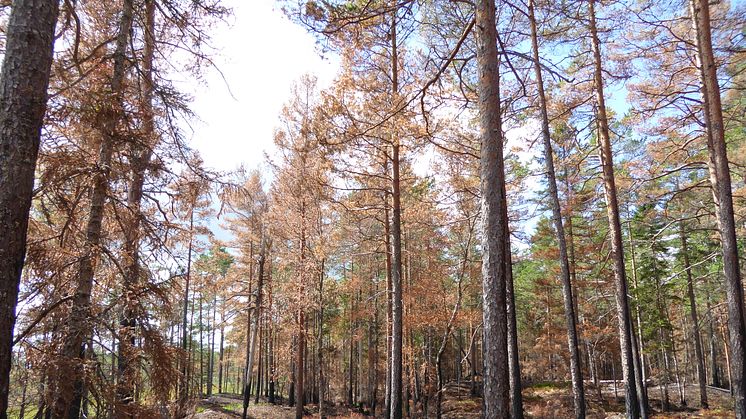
(23, 102)
(615, 228)
(494, 224)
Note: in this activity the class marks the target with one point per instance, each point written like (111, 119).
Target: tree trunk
(29, 46)
(397, 322)
(78, 327)
(299, 352)
(721, 185)
(701, 373)
(514, 365)
(186, 329)
(211, 358)
(249, 349)
(638, 348)
(254, 330)
(449, 326)
(612, 209)
(140, 153)
(494, 224)
(389, 305)
(271, 397)
(320, 342)
(258, 385)
(576, 373)
(222, 347)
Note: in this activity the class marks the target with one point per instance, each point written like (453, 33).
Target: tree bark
(397, 322)
(222, 348)
(494, 224)
(185, 328)
(699, 353)
(255, 329)
(721, 185)
(249, 349)
(140, 153)
(78, 325)
(576, 373)
(23, 102)
(299, 367)
(615, 229)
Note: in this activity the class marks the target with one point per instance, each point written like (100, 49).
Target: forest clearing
(372, 208)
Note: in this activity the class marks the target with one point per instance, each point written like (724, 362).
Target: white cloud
(260, 54)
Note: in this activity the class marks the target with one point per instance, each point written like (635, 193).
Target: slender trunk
(389, 306)
(612, 207)
(78, 327)
(29, 46)
(300, 349)
(271, 397)
(372, 373)
(211, 358)
(186, 366)
(351, 354)
(320, 342)
(257, 313)
(397, 322)
(222, 347)
(514, 365)
(201, 346)
(259, 370)
(140, 153)
(721, 185)
(473, 390)
(494, 224)
(638, 348)
(449, 325)
(699, 353)
(299, 352)
(249, 349)
(25, 380)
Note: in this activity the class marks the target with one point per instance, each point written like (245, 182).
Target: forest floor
(545, 400)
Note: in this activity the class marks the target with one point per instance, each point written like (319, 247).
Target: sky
(260, 53)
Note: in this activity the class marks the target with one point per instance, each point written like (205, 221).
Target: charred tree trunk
(29, 45)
